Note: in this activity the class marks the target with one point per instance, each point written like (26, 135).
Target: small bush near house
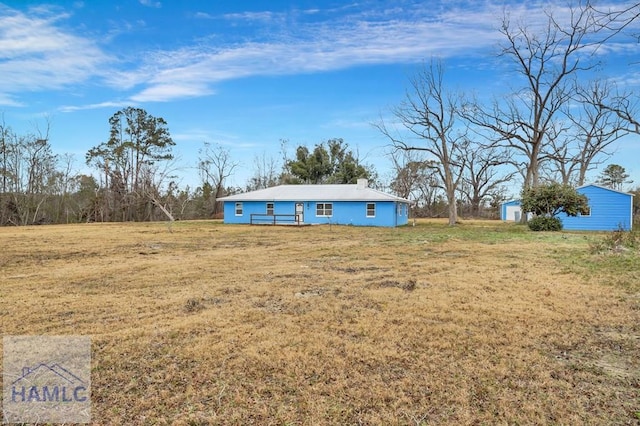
(545, 223)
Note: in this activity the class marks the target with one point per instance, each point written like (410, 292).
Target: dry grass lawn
(486, 323)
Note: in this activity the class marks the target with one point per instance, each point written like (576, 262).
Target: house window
(371, 209)
(238, 209)
(324, 209)
(270, 209)
(587, 214)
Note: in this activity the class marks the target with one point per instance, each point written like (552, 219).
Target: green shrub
(553, 198)
(545, 223)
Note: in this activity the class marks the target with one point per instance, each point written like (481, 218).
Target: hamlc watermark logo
(47, 379)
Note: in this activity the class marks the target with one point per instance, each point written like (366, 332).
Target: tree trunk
(453, 206)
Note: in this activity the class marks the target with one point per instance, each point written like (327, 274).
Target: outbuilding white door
(299, 212)
(513, 213)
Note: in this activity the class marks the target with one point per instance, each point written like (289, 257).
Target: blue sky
(246, 74)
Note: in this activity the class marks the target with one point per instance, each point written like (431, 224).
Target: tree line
(136, 175)
(451, 152)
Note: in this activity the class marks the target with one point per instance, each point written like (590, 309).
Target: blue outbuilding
(350, 204)
(609, 210)
(511, 211)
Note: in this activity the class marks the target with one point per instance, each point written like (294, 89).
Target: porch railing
(275, 219)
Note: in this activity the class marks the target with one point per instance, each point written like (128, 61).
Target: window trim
(239, 208)
(273, 206)
(373, 209)
(322, 211)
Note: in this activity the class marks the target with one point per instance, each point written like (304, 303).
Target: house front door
(299, 212)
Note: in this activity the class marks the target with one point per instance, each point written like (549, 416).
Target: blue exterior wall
(255, 207)
(387, 213)
(503, 209)
(610, 210)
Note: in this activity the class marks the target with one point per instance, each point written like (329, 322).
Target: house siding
(255, 207)
(387, 213)
(610, 210)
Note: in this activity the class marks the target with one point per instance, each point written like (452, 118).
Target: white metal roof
(349, 192)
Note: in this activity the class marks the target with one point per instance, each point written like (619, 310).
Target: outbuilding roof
(605, 188)
(345, 192)
(517, 202)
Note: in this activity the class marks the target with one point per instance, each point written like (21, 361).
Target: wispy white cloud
(108, 104)
(6, 100)
(35, 54)
(250, 16)
(120, 28)
(151, 3)
(167, 90)
(203, 15)
(311, 47)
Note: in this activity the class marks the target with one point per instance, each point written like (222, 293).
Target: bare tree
(484, 175)
(591, 131)
(265, 173)
(33, 172)
(7, 138)
(616, 21)
(8, 152)
(548, 62)
(429, 115)
(215, 165)
(627, 107)
(155, 184)
(64, 182)
(182, 199)
(415, 179)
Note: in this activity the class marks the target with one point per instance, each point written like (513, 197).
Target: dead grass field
(486, 323)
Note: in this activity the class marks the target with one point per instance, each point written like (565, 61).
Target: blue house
(354, 204)
(609, 210)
